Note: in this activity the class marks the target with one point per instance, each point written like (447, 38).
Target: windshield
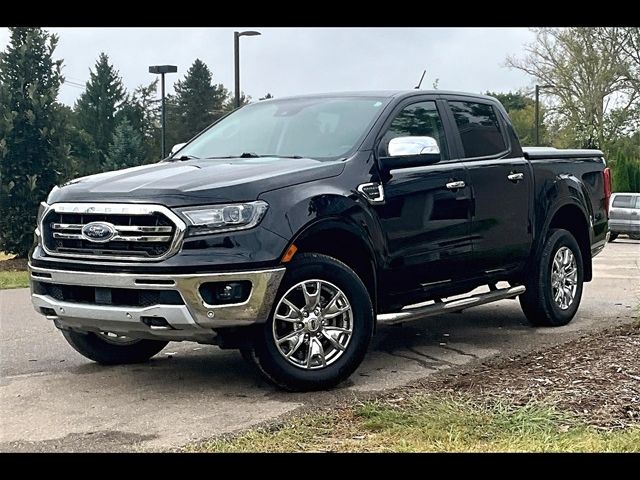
(321, 128)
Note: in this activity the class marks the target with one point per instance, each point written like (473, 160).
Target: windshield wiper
(185, 157)
(255, 155)
(251, 155)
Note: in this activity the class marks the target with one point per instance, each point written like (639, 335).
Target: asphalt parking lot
(53, 399)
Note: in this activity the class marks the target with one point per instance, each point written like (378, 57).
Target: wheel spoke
(323, 359)
(340, 311)
(295, 348)
(332, 302)
(311, 299)
(289, 337)
(309, 353)
(333, 341)
(292, 309)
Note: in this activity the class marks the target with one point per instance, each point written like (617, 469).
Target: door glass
(638, 202)
(623, 201)
(479, 129)
(416, 120)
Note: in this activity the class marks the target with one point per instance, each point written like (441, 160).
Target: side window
(638, 202)
(416, 120)
(479, 129)
(623, 201)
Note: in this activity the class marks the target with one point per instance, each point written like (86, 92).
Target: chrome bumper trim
(196, 314)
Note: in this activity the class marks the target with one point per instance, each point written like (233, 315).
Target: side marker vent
(373, 192)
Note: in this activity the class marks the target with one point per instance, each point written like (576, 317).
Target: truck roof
(386, 94)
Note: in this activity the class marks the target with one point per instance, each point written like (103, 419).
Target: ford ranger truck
(291, 228)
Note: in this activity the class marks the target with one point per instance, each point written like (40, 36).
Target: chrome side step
(457, 305)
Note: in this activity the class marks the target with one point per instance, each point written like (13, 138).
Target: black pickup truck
(291, 227)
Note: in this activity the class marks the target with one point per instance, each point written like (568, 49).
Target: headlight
(224, 218)
(41, 211)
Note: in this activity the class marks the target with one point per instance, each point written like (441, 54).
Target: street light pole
(537, 115)
(236, 55)
(162, 69)
(163, 146)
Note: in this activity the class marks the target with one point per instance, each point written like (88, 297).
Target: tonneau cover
(532, 153)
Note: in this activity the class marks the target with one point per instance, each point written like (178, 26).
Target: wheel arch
(343, 241)
(572, 217)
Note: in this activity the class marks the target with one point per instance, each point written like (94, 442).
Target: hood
(195, 182)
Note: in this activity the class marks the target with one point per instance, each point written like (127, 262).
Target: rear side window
(479, 129)
(624, 201)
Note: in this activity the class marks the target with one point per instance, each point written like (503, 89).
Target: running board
(408, 314)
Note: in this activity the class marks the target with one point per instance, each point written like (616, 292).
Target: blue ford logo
(99, 232)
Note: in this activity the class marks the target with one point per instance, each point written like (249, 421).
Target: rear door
(622, 212)
(501, 184)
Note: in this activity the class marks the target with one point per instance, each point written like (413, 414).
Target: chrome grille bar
(119, 228)
(116, 238)
(143, 232)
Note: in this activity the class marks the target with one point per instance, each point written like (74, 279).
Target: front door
(501, 183)
(426, 217)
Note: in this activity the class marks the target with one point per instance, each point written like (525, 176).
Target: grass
(11, 278)
(14, 280)
(427, 424)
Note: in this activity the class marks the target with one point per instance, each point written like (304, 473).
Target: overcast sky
(289, 61)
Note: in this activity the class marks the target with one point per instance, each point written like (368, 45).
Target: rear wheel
(111, 349)
(555, 287)
(320, 327)
(612, 236)
(634, 236)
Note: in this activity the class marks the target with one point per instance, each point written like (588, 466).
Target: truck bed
(535, 153)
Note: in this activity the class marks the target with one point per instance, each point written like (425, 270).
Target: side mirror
(406, 152)
(176, 147)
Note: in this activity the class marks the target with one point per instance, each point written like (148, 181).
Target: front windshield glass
(322, 128)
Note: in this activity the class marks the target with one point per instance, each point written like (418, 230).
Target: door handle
(515, 176)
(456, 185)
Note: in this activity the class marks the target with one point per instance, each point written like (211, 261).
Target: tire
(634, 236)
(538, 303)
(612, 237)
(308, 369)
(94, 347)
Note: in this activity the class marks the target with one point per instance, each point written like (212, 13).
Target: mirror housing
(407, 152)
(176, 147)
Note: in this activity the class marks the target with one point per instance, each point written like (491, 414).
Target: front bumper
(194, 320)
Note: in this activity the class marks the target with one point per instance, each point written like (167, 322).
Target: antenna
(417, 87)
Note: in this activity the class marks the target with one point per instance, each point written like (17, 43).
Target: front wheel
(612, 237)
(320, 326)
(111, 349)
(555, 288)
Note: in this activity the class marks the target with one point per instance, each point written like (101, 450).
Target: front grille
(120, 297)
(144, 236)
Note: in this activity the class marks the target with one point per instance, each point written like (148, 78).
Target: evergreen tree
(230, 104)
(126, 150)
(98, 113)
(196, 104)
(142, 110)
(32, 149)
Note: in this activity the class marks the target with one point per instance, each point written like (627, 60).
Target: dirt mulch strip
(13, 265)
(596, 376)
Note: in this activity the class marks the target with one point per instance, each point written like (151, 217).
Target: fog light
(221, 293)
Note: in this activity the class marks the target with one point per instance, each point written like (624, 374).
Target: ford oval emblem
(98, 232)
